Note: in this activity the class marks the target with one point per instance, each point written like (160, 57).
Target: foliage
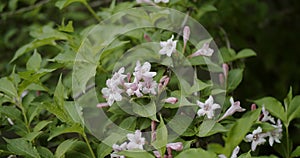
(56, 89)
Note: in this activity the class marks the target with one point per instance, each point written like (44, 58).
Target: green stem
(19, 104)
(88, 144)
(287, 142)
(92, 11)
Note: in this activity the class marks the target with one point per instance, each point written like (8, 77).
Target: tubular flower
(204, 51)
(168, 47)
(118, 148)
(164, 1)
(207, 108)
(235, 107)
(136, 140)
(266, 116)
(276, 134)
(257, 138)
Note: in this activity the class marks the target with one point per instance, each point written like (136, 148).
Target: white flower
(168, 47)
(136, 140)
(112, 92)
(143, 72)
(235, 107)
(118, 148)
(149, 86)
(276, 134)
(175, 146)
(133, 88)
(204, 51)
(266, 116)
(207, 108)
(186, 35)
(164, 1)
(257, 138)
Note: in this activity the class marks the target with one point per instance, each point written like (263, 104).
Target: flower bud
(225, 70)
(171, 100)
(102, 105)
(186, 35)
(175, 146)
(147, 38)
(253, 107)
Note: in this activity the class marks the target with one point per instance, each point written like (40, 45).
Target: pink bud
(175, 146)
(163, 82)
(128, 77)
(153, 132)
(157, 154)
(253, 107)
(171, 100)
(169, 150)
(225, 70)
(186, 35)
(102, 105)
(221, 79)
(147, 38)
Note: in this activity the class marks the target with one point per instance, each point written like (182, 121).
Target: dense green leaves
(195, 153)
(22, 147)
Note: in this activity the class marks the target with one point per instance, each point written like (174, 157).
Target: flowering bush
(146, 81)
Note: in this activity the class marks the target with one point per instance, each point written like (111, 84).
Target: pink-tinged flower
(257, 138)
(204, 51)
(225, 70)
(171, 100)
(253, 107)
(118, 148)
(221, 79)
(175, 146)
(102, 105)
(143, 71)
(148, 86)
(207, 108)
(164, 1)
(168, 47)
(266, 116)
(276, 134)
(153, 130)
(133, 88)
(235, 107)
(119, 77)
(136, 140)
(157, 154)
(112, 92)
(186, 35)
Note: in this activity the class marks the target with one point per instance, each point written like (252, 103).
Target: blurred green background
(270, 27)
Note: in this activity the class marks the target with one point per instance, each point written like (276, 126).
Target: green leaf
(67, 28)
(103, 150)
(59, 94)
(64, 147)
(148, 110)
(79, 150)
(238, 131)
(8, 87)
(288, 99)
(179, 125)
(245, 155)
(210, 127)
(296, 152)
(294, 109)
(58, 112)
(161, 137)
(273, 106)
(44, 152)
(64, 3)
(135, 154)
(228, 54)
(245, 53)
(235, 77)
(31, 136)
(41, 125)
(129, 123)
(11, 112)
(74, 111)
(34, 62)
(76, 128)
(195, 153)
(22, 147)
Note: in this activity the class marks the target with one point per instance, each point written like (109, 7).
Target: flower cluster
(136, 141)
(142, 83)
(258, 136)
